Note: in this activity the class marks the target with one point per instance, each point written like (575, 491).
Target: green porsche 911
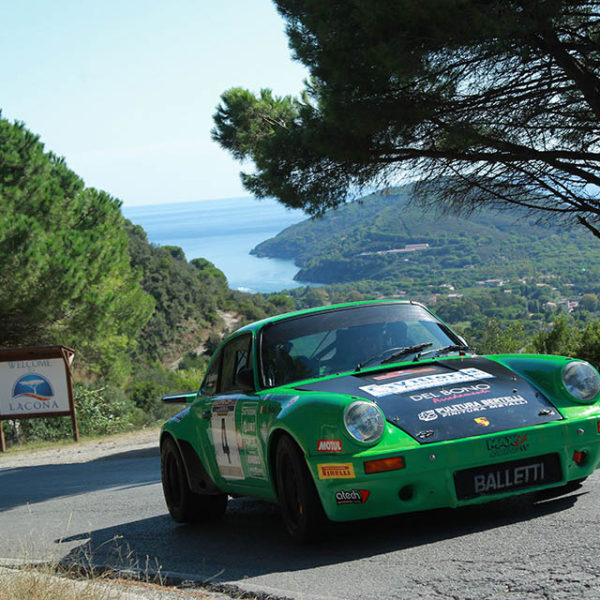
(374, 408)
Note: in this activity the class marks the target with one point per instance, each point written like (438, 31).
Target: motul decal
(352, 496)
(329, 446)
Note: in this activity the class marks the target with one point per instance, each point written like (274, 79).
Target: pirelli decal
(336, 471)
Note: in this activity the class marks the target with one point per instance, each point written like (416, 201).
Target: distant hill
(383, 237)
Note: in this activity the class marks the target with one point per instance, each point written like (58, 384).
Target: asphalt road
(111, 512)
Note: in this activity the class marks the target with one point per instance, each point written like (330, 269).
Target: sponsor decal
(463, 408)
(329, 446)
(405, 373)
(507, 444)
(223, 407)
(336, 471)
(425, 382)
(508, 478)
(352, 496)
(428, 415)
(254, 465)
(249, 411)
(456, 393)
(483, 421)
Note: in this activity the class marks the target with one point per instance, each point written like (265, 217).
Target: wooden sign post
(36, 382)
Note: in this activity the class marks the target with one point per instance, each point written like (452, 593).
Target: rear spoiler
(184, 398)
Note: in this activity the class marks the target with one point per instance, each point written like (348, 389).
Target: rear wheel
(301, 507)
(184, 505)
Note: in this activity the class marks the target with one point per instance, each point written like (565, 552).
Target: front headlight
(364, 421)
(581, 380)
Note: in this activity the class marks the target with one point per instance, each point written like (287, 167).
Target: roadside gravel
(83, 451)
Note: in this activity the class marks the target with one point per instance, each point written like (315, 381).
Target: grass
(49, 582)
(43, 584)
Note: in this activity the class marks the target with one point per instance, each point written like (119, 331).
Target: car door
(230, 418)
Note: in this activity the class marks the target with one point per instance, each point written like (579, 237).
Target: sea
(224, 231)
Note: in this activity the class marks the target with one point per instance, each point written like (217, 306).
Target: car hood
(448, 399)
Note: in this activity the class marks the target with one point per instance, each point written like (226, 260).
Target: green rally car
(374, 408)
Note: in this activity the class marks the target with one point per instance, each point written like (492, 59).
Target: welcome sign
(33, 387)
(36, 382)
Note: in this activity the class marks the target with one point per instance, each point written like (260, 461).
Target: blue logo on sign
(33, 385)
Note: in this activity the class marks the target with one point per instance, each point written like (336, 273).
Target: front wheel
(301, 507)
(184, 505)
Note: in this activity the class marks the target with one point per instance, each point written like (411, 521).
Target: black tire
(301, 507)
(184, 505)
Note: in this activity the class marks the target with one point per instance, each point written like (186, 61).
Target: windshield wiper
(442, 350)
(397, 353)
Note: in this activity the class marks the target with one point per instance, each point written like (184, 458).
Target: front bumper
(428, 479)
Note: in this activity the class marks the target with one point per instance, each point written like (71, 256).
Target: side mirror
(245, 380)
(185, 398)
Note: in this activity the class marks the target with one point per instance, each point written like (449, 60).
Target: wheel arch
(274, 438)
(199, 481)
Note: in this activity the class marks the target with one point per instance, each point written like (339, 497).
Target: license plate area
(507, 476)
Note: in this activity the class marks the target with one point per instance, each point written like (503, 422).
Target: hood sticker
(425, 382)
(456, 398)
(470, 407)
(404, 373)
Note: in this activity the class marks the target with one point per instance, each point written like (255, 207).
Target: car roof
(257, 325)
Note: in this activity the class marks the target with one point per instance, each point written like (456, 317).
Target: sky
(125, 90)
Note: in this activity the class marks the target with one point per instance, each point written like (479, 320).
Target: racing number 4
(224, 443)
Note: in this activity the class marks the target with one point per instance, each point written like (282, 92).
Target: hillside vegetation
(368, 239)
(75, 272)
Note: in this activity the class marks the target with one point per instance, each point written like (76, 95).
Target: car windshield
(347, 339)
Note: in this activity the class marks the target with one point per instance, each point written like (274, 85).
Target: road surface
(109, 510)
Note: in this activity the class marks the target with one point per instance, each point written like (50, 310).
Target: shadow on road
(154, 451)
(29, 485)
(250, 540)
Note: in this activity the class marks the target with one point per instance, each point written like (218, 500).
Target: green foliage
(315, 296)
(65, 274)
(253, 307)
(183, 291)
(560, 339)
(566, 339)
(487, 102)
(212, 343)
(102, 410)
(589, 344)
(496, 337)
(151, 384)
(589, 302)
(192, 361)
